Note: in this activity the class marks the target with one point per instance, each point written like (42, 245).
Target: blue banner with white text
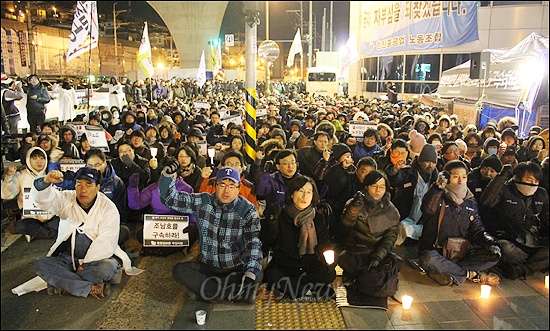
(397, 26)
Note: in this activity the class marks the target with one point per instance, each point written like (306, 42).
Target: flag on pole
(295, 48)
(144, 59)
(349, 54)
(84, 32)
(201, 74)
(218, 70)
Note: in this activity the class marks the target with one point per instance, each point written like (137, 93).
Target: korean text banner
(397, 26)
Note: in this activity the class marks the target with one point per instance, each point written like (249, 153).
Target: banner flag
(144, 59)
(350, 53)
(201, 74)
(295, 48)
(218, 70)
(84, 32)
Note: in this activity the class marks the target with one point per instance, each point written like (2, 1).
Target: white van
(324, 81)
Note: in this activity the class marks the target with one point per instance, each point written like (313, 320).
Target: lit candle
(329, 256)
(485, 291)
(153, 152)
(546, 281)
(211, 152)
(407, 301)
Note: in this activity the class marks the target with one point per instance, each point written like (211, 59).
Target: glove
(495, 253)
(442, 179)
(56, 154)
(358, 199)
(133, 181)
(295, 135)
(373, 263)
(118, 135)
(127, 160)
(506, 170)
(171, 167)
(268, 166)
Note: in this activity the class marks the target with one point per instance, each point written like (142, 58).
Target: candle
(485, 291)
(329, 256)
(153, 151)
(211, 152)
(407, 301)
(546, 281)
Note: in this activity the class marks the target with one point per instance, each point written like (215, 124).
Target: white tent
(517, 78)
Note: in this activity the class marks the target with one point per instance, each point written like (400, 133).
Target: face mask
(492, 151)
(394, 159)
(115, 115)
(526, 189)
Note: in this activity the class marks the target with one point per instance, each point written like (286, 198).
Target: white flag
(295, 48)
(84, 32)
(219, 74)
(144, 59)
(201, 74)
(349, 54)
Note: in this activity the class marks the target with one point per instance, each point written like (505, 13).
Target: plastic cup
(407, 301)
(485, 291)
(201, 316)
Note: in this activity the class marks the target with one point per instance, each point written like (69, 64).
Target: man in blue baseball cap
(229, 264)
(87, 241)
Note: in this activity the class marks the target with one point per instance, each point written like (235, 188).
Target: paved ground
(153, 300)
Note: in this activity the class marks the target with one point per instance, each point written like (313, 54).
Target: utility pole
(115, 13)
(330, 35)
(310, 39)
(324, 29)
(301, 34)
(252, 20)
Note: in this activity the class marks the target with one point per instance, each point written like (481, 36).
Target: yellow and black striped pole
(251, 11)
(250, 125)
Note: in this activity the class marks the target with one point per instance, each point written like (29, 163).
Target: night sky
(281, 22)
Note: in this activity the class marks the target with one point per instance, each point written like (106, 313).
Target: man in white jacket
(86, 255)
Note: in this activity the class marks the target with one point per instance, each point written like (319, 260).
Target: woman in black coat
(298, 236)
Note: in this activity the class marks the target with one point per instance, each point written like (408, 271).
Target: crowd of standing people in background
(416, 176)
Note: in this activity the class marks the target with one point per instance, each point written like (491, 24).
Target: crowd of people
(416, 176)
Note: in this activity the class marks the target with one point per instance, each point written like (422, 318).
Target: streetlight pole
(30, 33)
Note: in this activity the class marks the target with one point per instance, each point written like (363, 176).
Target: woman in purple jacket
(149, 196)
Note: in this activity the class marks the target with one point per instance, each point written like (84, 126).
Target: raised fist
(506, 170)
(127, 160)
(443, 179)
(171, 167)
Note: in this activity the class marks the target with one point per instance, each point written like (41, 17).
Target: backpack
(381, 281)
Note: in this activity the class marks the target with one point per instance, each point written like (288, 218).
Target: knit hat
(279, 132)
(428, 154)
(461, 145)
(195, 132)
(417, 141)
(492, 161)
(340, 149)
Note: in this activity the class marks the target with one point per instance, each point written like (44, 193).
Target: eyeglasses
(288, 163)
(97, 165)
(304, 192)
(234, 165)
(231, 187)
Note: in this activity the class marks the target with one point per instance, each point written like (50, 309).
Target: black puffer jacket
(374, 228)
(514, 216)
(38, 105)
(458, 221)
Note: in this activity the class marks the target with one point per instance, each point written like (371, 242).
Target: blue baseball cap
(89, 174)
(228, 173)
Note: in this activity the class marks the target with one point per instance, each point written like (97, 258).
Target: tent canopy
(517, 77)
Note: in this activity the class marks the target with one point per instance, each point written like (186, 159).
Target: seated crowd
(417, 176)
